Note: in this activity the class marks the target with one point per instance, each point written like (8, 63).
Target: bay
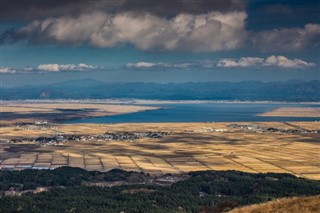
(201, 112)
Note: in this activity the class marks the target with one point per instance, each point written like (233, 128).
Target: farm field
(189, 147)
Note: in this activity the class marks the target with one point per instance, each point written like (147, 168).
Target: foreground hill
(77, 190)
(292, 205)
(247, 91)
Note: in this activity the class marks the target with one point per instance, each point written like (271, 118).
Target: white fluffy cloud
(46, 68)
(64, 67)
(287, 39)
(142, 65)
(242, 62)
(163, 66)
(282, 61)
(8, 70)
(271, 61)
(206, 32)
(249, 62)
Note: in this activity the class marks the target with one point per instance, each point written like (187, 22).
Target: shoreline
(81, 111)
(26, 112)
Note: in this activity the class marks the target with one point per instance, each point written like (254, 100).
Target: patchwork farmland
(189, 147)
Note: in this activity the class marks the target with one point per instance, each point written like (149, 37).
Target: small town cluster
(108, 136)
(260, 129)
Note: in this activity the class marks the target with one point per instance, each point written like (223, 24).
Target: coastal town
(61, 139)
(261, 129)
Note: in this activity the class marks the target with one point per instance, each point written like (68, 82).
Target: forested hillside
(207, 191)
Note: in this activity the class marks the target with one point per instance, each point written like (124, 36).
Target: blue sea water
(204, 112)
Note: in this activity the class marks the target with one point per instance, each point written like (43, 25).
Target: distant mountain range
(244, 91)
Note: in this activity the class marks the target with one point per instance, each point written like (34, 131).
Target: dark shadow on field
(198, 139)
(55, 114)
(8, 155)
(25, 148)
(14, 116)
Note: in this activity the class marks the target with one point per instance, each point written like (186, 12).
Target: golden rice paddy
(189, 148)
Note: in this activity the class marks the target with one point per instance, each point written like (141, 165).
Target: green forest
(207, 191)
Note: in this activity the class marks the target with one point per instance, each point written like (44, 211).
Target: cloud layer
(49, 68)
(287, 39)
(244, 62)
(208, 32)
(271, 61)
(37, 9)
(65, 67)
(7, 70)
(166, 25)
(161, 65)
(214, 31)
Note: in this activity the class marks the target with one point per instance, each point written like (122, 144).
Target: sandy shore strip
(31, 112)
(293, 112)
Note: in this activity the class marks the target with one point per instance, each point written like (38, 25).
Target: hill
(292, 205)
(77, 190)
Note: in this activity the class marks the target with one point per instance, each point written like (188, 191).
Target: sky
(48, 41)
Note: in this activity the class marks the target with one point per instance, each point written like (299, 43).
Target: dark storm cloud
(35, 9)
